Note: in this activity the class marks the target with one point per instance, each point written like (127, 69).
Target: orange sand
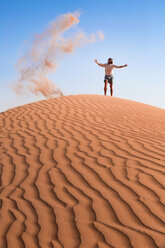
(82, 171)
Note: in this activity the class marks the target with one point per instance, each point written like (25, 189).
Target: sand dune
(82, 171)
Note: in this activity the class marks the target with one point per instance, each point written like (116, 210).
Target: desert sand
(82, 171)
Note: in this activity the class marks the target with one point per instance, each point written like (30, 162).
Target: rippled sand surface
(82, 171)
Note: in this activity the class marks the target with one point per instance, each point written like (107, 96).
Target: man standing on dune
(108, 74)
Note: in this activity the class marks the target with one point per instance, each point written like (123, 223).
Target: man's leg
(105, 87)
(111, 88)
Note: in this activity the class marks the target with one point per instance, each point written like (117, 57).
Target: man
(108, 74)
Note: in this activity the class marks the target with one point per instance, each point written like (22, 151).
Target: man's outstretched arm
(121, 66)
(102, 65)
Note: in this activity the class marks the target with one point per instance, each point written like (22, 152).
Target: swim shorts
(109, 78)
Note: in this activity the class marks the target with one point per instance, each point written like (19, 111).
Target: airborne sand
(82, 171)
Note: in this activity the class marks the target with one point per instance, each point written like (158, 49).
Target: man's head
(110, 61)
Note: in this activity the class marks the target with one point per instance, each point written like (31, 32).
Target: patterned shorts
(109, 78)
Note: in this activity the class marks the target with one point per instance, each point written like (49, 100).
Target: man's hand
(96, 61)
(125, 65)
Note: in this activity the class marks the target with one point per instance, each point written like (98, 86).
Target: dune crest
(82, 171)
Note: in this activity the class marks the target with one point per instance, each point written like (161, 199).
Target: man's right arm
(102, 65)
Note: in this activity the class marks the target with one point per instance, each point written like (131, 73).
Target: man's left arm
(121, 66)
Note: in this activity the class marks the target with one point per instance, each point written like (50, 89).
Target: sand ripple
(82, 171)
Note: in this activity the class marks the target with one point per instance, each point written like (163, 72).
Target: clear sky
(134, 34)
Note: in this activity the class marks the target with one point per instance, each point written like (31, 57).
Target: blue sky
(134, 34)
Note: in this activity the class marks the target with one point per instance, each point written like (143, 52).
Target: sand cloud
(46, 50)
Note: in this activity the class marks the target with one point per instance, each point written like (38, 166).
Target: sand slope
(82, 171)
